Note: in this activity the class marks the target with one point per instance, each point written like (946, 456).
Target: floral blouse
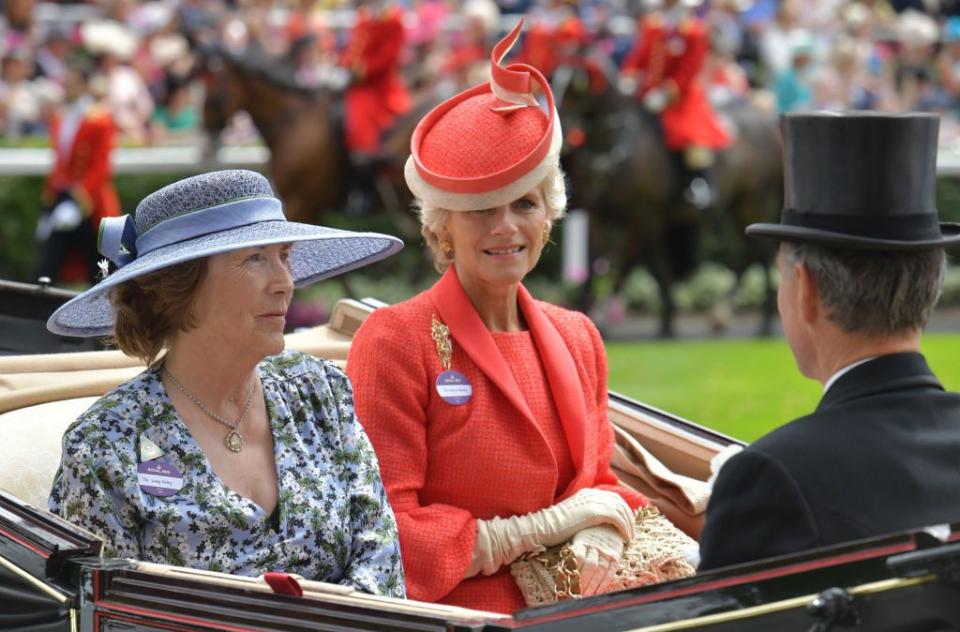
(335, 524)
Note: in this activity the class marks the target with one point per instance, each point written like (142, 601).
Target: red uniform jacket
(546, 47)
(671, 57)
(445, 466)
(378, 93)
(86, 162)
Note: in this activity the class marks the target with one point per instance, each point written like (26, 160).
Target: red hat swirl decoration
(488, 145)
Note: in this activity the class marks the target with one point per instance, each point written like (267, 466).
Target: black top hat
(861, 180)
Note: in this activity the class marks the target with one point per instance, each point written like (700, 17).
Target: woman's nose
(283, 276)
(503, 221)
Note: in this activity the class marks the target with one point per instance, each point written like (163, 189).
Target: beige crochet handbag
(654, 555)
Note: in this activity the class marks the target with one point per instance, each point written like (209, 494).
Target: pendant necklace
(233, 440)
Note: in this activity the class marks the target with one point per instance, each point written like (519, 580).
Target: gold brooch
(441, 338)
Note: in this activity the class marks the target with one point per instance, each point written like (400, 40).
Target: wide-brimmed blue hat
(205, 215)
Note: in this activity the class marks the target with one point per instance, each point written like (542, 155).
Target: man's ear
(808, 300)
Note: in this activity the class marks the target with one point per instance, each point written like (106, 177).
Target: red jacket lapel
(457, 312)
(564, 380)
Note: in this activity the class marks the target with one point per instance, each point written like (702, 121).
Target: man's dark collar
(882, 374)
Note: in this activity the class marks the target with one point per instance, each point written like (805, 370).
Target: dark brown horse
(623, 174)
(303, 129)
(307, 162)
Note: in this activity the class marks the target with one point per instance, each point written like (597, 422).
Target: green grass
(743, 388)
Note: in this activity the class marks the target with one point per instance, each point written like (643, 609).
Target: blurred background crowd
(327, 93)
(789, 55)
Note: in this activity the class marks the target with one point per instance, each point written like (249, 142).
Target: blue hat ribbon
(117, 240)
(214, 219)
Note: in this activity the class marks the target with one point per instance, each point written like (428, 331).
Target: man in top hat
(861, 262)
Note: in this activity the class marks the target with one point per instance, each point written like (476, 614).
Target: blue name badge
(454, 388)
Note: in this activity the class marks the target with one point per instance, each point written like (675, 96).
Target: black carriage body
(907, 581)
(24, 310)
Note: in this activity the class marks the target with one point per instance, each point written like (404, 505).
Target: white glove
(597, 550)
(66, 216)
(502, 540)
(627, 84)
(720, 458)
(655, 100)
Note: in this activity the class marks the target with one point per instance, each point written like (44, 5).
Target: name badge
(159, 478)
(454, 388)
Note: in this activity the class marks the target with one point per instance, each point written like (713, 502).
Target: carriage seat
(30, 442)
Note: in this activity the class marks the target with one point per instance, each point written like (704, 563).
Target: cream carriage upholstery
(40, 395)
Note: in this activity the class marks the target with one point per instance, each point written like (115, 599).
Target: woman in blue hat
(227, 453)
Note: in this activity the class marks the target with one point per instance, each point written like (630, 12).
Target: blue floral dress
(335, 523)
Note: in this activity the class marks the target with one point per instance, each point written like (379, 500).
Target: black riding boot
(360, 191)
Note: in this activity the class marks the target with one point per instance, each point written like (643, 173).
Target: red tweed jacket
(446, 466)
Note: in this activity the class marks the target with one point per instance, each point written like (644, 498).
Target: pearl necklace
(233, 440)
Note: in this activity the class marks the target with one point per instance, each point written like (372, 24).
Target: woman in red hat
(486, 407)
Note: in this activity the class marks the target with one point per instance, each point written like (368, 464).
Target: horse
(303, 129)
(624, 175)
(307, 161)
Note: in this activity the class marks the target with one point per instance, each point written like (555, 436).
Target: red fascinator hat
(488, 145)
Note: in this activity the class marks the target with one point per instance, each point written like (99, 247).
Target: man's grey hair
(870, 292)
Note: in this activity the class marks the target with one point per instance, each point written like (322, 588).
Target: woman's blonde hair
(432, 218)
(151, 308)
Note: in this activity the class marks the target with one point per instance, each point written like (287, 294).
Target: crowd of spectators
(139, 62)
(791, 54)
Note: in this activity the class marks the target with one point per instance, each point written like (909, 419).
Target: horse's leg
(660, 268)
(721, 314)
(585, 297)
(667, 307)
(628, 257)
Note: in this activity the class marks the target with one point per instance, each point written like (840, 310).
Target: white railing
(126, 160)
(948, 162)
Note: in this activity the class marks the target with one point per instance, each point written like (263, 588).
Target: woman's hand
(587, 508)
(597, 551)
(502, 540)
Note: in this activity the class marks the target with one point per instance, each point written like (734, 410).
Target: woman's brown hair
(150, 309)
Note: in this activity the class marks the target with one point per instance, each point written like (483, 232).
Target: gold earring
(446, 248)
(546, 235)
